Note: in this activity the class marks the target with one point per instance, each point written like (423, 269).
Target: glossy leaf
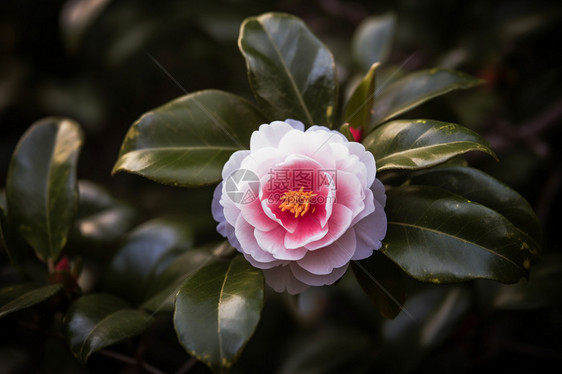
(147, 251)
(360, 105)
(372, 40)
(477, 186)
(164, 288)
(217, 310)
(382, 281)
(23, 296)
(417, 144)
(96, 321)
(101, 218)
(415, 89)
(41, 187)
(187, 141)
(292, 74)
(436, 236)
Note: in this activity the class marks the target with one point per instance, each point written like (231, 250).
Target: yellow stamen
(297, 202)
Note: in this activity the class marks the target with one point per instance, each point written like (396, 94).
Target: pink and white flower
(300, 205)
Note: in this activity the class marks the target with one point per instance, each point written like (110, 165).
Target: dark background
(62, 58)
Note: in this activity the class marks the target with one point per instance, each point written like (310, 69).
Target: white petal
(234, 163)
(366, 158)
(273, 242)
(369, 232)
(269, 135)
(297, 125)
(281, 279)
(217, 210)
(317, 280)
(379, 192)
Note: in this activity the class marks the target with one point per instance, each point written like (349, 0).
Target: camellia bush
(309, 192)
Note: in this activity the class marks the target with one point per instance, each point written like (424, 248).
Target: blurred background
(93, 61)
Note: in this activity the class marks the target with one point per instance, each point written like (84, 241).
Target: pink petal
(349, 192)
(248, 242)
(280, 278)
(337, 225)
(317, 280)
(366, 158)
(379, 192)
(274, 243)
(323, 260)
(308, 230)
(253, 213)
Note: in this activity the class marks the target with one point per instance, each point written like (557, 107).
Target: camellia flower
(300, 205)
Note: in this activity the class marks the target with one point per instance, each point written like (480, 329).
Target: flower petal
(274, 243)
(269, 135)
(248, 243)
(323, 261)
(281, 279)
(233, 163)
(369, 232)
(337, 225)
(314, 279)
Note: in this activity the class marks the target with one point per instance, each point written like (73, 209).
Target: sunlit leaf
(41, 187)
(14, 298)
(146, 252)
(360, 105)
(290, 71)
(436, 236)
(97, 321)
(382, 281)
(417, 144)
(217, 311)
(477, 186)
(187, 141)
(415, 89)
(372, 40)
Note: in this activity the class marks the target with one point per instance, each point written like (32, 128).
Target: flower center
(297, 202)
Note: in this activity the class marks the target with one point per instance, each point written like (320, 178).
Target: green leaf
(415, 89)
(382, 281)
(23, 296)
(436, 236)
(187, 141)
(145, 254)
(101, 218)
(217, 311)
(477, 186)
(164, 288)
(372, 40)
(292, 74)
(16, 248)
(417, 144)
(41, 188)
(96, 321)
(358, 109)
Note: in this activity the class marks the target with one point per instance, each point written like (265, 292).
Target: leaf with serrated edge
(418, 144)
(217, 310)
